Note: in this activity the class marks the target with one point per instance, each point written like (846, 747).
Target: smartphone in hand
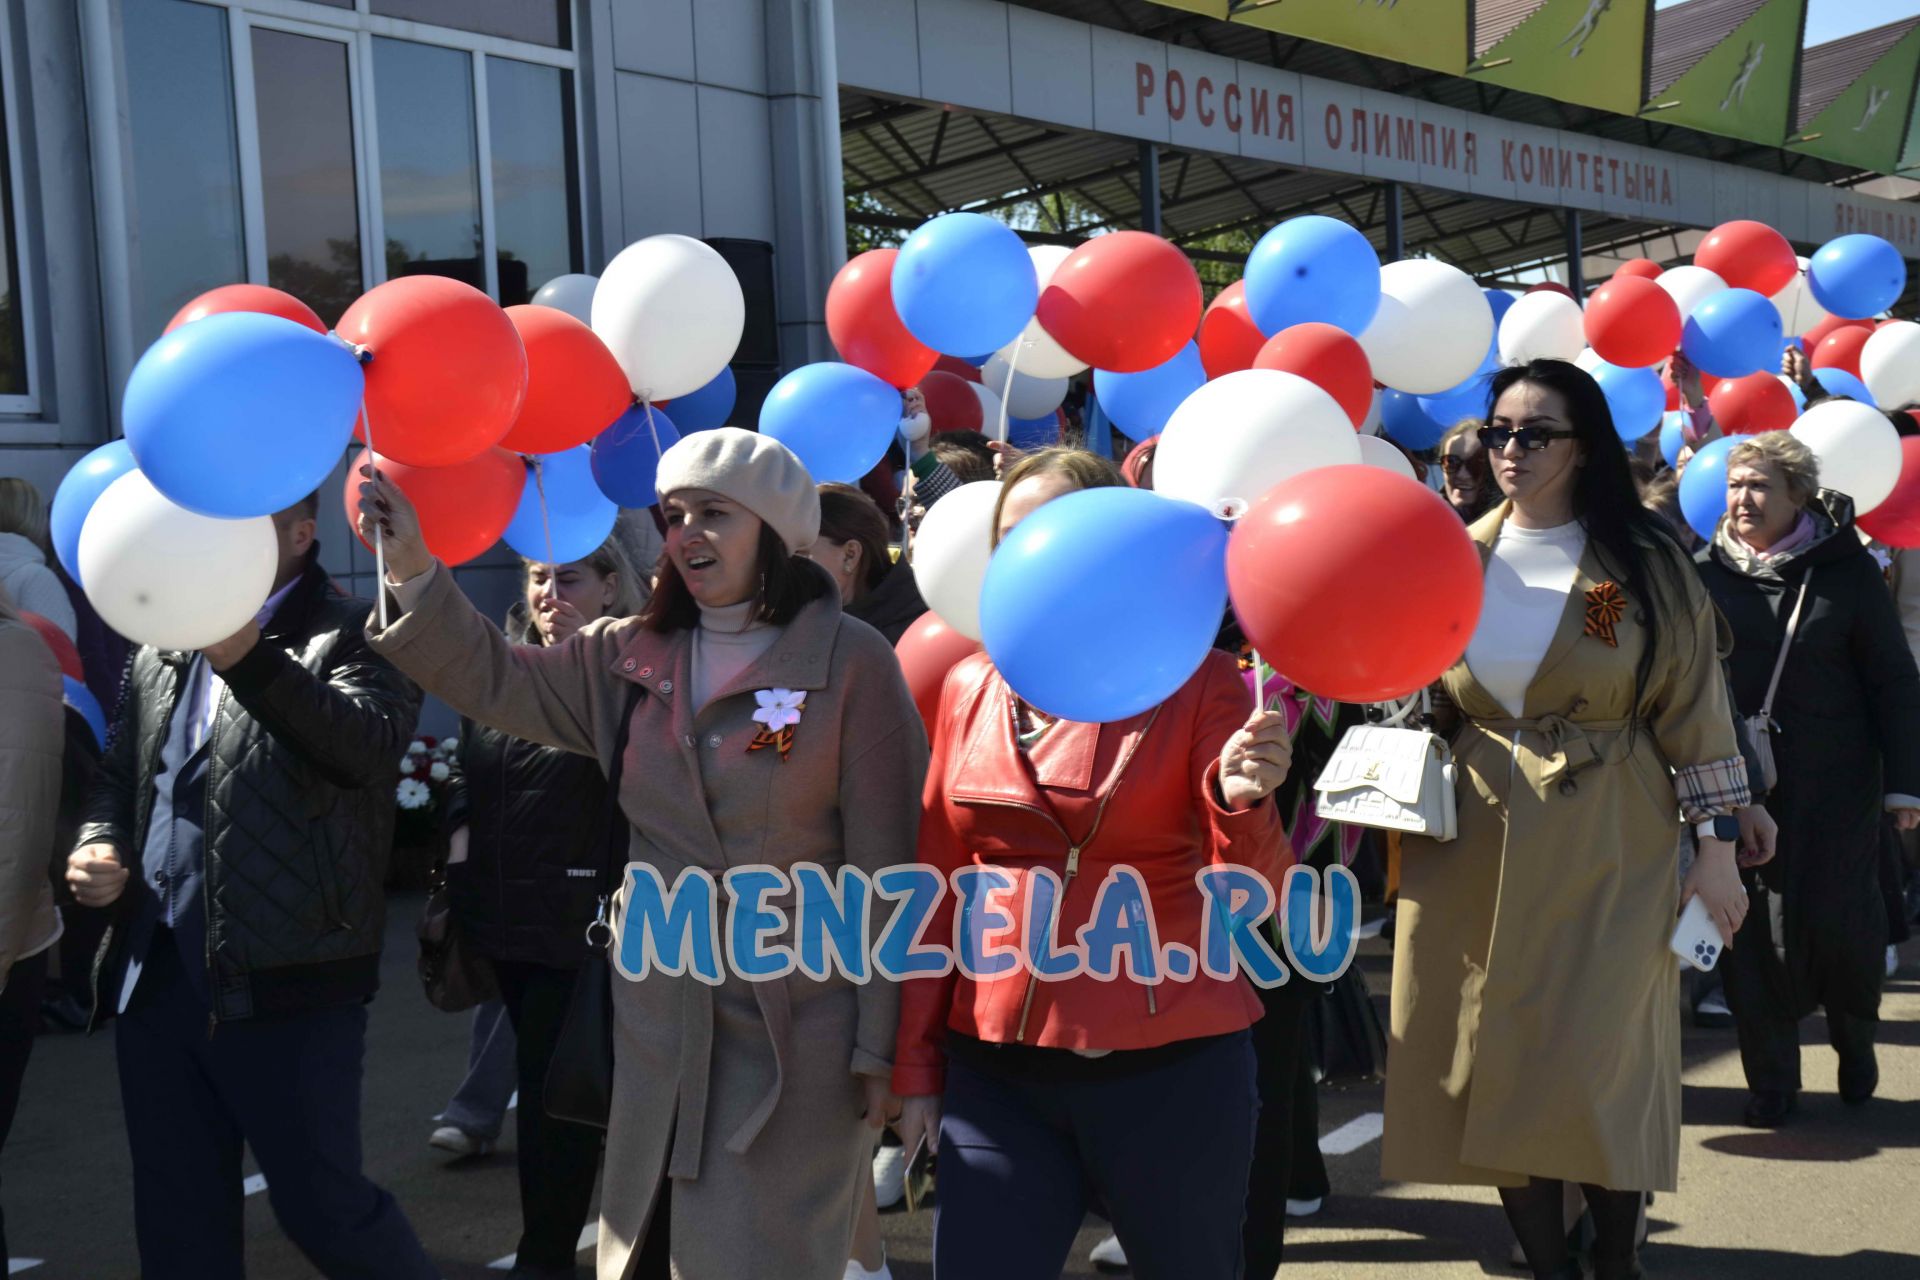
(919, 1184)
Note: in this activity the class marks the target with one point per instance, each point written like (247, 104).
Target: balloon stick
(546, 528)
(1006, 391)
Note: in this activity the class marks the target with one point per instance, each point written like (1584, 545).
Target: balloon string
(379, 536)
(1006, 392)
(647, 406)
(546, 527)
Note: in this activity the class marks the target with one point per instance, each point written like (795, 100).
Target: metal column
(1396, 226)
(1150, 188)
(1576, 256)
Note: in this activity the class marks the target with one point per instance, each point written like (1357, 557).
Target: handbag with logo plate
(1398, 779)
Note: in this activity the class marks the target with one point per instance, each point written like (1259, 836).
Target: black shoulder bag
(580, 1076)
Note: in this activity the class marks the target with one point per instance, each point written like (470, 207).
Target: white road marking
(1353, 1135)
(255, 1184)
(589, 1238)
(16, 1265)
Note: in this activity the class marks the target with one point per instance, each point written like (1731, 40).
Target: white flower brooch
(779, 711)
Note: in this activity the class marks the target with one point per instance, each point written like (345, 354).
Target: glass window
(184, 204)
(535, 21)
(536, 215)
(429, 160)
(13, 337)
(302, 100)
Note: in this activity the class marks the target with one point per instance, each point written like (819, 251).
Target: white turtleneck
(1528, 579)
(727, 642)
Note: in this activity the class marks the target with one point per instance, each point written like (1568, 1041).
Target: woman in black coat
(853, 548)
(1847, 754)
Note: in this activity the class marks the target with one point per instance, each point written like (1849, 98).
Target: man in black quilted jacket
(239, 830)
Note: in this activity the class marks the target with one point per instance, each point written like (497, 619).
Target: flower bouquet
(420, 802)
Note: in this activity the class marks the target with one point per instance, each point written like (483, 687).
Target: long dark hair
(848, 515)
(788, 584)
(1636, 546)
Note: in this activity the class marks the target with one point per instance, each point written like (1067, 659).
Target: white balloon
(1858, 449)
(1588, 359)
(1542, 326)
(1040, 355)
(164, 576)
(916, 428)
(671, 311)
(950, 554)
(1245, 432)
(1799, 309)
(1689, 286)
(572, 294)
(1027, 397)
(1432, 330)
(1890, 364)
(989, 410)
(1376, 452)
(1372, 425)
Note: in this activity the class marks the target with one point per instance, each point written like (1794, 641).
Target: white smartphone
(1696, 939)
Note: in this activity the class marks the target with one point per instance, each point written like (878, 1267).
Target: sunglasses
(1532, 439)
(1453, 463)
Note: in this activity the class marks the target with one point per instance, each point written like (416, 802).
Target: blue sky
(1831, 19)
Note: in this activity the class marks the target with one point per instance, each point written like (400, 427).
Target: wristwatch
(1722, 828)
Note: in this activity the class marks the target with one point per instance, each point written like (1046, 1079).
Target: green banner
(1421, 33)
(1587, 51)
(1866, 125)
(1743, 88)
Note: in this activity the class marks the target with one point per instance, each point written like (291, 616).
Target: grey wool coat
(746, 1094)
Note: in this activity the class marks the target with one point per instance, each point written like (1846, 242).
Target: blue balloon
(963, 282)
(81, 699)
(707, 408)
(241, 414)
(1140, 403)
(1033, 433)
(78, 491)
(1733, 333)
(1703, 486)
(1406, 421)
(837, 419)
(1857, 276)
(626, 455)
(1799, 396)
(1839, 382)
(1673, 436)
(562, 516)
(1468, 400)
(1500, 300)
(1636, 397)
(1139, 577)
(1313, 268)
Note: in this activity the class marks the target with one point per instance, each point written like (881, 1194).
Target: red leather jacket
(989, 803)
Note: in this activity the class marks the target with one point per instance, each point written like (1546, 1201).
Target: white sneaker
(857, 1272)
(1108, 1255)
(1714, 1005)
(889, 1178)
(1304, 1208)
(457, 1140)
(1893, 960)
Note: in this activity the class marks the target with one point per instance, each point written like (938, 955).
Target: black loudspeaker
(752, 263)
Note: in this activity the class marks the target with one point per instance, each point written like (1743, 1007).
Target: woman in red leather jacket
(1047, 1097)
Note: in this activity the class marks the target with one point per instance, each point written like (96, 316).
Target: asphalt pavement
(1833, 1196)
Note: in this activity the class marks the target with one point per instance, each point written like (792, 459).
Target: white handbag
(1397, 779)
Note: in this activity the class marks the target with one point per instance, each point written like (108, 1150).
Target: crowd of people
(1638, 721)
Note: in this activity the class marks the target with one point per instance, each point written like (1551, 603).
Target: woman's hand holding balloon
(385, 512)
(1255, 760)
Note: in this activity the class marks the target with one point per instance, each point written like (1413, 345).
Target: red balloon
(1124, 302)
(1645, 268)
(1748, 255)
(1553, 286)
(927, 651)
(1708, 381)
(1355, 583)
(1753, 404)
(448, 372)
(958, 368)
(1328, 357)
(63, 651)
(1632, 322)
(951, 402)
(247, 297)
(1896, 521)
(1813, 337)
(1841, 349)
(865, 328)
(1229, 339)
(574, 385)
(463, 508)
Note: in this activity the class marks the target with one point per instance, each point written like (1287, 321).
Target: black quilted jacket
(300, 801)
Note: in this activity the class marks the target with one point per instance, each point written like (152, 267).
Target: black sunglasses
(1532, 439)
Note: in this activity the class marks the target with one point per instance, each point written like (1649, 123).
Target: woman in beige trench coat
(1535, 1038)
(758, 1099)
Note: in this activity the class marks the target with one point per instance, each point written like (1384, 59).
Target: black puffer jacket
(536, 820)
(300, 799)
(891, 607)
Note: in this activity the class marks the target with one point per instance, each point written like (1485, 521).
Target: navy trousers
(287, 1087)
(1162, 1152)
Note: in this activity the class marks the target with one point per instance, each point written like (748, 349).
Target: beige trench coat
(1535, 1029)
(746, 1094)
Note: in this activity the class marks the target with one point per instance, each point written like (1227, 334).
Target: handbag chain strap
(600, 930)
(1786, 645)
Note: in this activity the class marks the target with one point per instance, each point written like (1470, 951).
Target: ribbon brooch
(1605, 607)
(779, 711)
